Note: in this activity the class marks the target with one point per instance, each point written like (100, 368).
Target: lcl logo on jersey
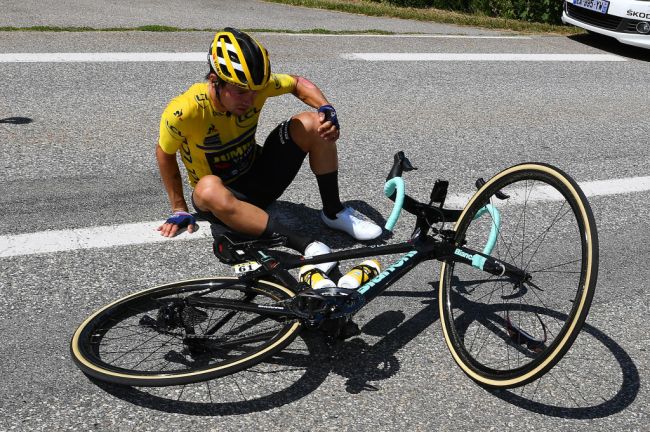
(201, 100)
(248, 118)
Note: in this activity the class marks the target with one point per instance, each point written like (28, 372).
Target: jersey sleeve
(173, 126)
(279, 84)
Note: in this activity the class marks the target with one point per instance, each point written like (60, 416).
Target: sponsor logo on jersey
(186, 152)
(248, 118)
(173, 130)
(231, 162)
(201, 100)
(212, 141)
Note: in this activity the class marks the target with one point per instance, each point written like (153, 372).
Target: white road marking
(145, 232)
(547, 193)
(486, 57)
(414, 36)
(201, 57)
(93, 237)
(104, 57)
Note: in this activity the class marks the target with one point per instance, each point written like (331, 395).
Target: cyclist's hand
(329, 127)
(176, 222)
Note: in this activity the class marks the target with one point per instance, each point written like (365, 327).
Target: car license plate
(594, 5)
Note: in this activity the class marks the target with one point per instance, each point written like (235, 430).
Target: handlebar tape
(394, 185)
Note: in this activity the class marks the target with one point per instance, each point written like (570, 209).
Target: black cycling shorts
(271, 174)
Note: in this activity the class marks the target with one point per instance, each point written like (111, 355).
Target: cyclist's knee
(210, 194)
(304, 131)
(207, 186)
(306, 121)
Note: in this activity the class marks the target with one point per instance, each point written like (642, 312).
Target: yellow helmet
(239, 59)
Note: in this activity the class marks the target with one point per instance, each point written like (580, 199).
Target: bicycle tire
(120, 344)
(503, 334)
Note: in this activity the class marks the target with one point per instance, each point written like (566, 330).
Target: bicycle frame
(421, 247)
(418, 250)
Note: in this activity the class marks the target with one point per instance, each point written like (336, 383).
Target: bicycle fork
(483, 260)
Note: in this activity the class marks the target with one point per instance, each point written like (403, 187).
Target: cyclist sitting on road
(213, 127)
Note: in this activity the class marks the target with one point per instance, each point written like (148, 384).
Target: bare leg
(211, 195)
(323, 160)
(323, 157)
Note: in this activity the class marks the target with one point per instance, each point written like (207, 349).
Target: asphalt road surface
(78, 152)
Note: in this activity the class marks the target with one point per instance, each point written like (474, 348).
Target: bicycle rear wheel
(501, 332)
(152, 338)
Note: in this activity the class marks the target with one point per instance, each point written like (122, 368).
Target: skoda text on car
(628, 21)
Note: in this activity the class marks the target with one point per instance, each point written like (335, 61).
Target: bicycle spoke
(207, 384)
(180, 395)
(157, 337)
(544, 237)
(239, 388)
(548, 269)
(501, 327)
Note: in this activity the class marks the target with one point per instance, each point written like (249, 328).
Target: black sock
(328, 186)
(295, 241)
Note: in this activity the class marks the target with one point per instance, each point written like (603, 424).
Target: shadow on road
(16, 120)
(628, 387)
(301, 371)
(307, 219)
(612, 46)
(569, 390)
(295, 376)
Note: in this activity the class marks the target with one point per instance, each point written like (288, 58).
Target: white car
(628, 21)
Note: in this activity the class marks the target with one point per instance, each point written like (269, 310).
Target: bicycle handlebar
(395, 185)
(395, 190)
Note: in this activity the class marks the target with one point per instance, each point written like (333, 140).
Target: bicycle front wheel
(152, 338)
(503, 332)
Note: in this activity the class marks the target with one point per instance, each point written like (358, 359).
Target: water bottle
(360, 274)
(315, 277)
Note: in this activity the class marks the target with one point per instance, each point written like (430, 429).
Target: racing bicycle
(518, 274)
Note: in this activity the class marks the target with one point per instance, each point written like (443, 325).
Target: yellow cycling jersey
(214, 142)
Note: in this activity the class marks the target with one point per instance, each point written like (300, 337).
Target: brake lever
(400, 164)
(480, 182)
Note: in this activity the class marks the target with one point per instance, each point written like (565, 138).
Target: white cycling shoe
(354, 223)
(317, 248)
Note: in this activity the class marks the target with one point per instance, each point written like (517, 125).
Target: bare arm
(307, 92)
(171, 177)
